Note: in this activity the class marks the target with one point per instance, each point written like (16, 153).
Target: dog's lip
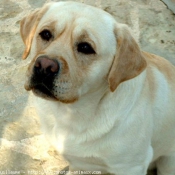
(27, 87)
(40, 90)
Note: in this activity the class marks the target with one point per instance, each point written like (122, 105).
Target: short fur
(113, 111)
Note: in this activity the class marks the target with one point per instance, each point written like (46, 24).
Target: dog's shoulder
(160, 64)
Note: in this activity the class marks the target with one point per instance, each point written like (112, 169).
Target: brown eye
(46, 35)
(85, 48)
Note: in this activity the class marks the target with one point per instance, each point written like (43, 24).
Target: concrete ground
(23, 148)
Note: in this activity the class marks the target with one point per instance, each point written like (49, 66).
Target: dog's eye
(85, 48)
(46, 35)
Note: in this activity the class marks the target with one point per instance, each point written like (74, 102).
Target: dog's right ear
(28, 27)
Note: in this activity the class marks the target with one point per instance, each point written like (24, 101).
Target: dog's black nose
(46, 67)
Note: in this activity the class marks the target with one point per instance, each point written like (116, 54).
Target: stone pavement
(23, 148)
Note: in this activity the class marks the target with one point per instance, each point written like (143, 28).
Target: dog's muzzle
(44, 72)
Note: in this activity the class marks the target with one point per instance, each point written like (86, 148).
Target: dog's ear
(28, 27)
(128, 61)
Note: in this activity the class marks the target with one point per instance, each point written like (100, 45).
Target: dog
(106, 105)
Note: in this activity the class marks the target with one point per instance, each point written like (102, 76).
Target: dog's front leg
(136, 165)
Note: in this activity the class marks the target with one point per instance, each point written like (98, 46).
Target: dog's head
(76, 49)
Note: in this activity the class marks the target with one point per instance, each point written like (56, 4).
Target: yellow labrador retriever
(106, 105)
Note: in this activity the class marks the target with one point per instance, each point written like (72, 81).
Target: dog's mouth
(42, 91)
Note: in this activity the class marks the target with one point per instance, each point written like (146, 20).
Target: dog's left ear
(28, 27)
(128, 61)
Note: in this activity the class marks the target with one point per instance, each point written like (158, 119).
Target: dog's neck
(89, 105)
(91, 112)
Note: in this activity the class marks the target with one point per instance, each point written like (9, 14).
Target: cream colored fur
(116, 113)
